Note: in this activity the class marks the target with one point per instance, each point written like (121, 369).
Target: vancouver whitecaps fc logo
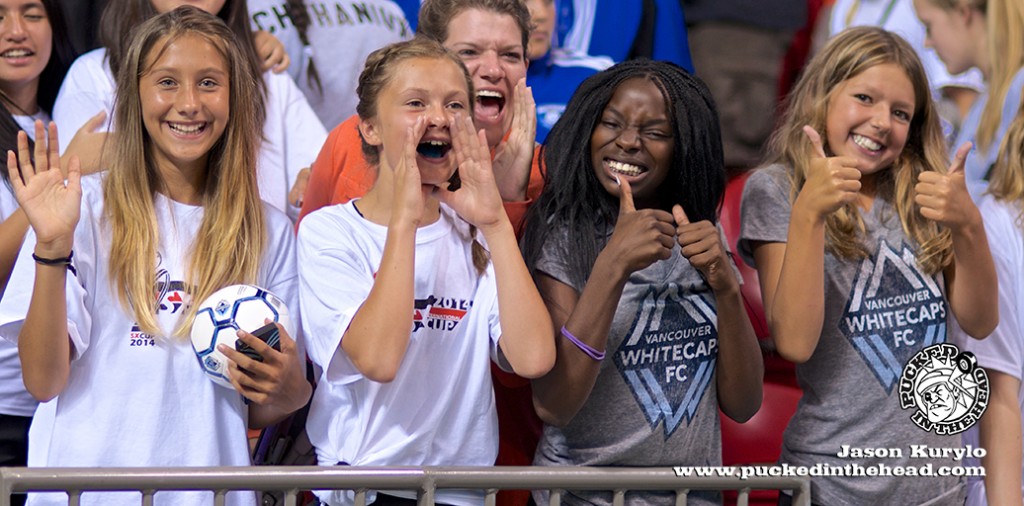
(894, 310)
(946, 389)
(668, 355)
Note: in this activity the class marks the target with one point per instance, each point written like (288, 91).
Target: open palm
(477, 200)
(52, 206)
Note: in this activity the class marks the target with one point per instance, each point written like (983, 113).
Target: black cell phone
(268, 334)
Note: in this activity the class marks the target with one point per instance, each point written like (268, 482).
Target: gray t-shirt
(655, 402)
(879, 312)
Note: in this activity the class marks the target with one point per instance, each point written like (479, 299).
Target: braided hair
(574, 202)
(300, 20)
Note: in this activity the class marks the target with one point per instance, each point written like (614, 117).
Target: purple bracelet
(584, 347)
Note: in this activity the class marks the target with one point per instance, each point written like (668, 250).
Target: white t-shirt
(1003, 350)
(132, 400)
(292, 133)
(898, 16)
(14, 399)
(341, 36)
(439, 410)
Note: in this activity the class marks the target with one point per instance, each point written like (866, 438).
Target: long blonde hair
(232, 237)
(846, 55)
(1007, 179)
(1004, 27)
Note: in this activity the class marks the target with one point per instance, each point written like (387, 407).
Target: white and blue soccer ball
(229, 309)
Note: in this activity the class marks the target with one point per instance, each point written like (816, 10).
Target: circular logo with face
(946, 389)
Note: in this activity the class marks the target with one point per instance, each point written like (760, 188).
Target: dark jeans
(14, 446)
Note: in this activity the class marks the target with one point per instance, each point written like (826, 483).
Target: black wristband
(54, 261)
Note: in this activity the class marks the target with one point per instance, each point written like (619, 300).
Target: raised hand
(943, 197)
(477, 199)
(831, 183)
(409, 201)
(701, 244)
(278, 380)
(88, 144)
(271, 52)
(513, 157)
(298, 190)
(52, 207)
(640, 237)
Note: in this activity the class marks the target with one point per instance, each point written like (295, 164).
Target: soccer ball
(222, 314)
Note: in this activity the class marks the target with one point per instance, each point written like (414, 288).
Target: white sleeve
(15, 299)
(88, 89)
(15, 303)
(1003, 350)
(278, 271)
(303, 134)
(487, 297)
(334, 281)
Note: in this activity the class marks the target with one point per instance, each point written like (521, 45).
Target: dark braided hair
(573, 200)
(300, 20)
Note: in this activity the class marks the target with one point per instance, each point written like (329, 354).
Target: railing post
(802, 495)
(5, 487)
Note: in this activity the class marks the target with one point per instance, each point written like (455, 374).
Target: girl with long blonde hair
(862, 239)
(987, 35)
(177, 216)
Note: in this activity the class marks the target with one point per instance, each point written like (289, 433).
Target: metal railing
(291, 480)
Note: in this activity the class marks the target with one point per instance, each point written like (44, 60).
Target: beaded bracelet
(584, 347)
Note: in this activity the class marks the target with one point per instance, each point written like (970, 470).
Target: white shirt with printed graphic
(341, 35)
(439, 410)
(134, 400)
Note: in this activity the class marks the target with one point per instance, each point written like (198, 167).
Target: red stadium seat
(759, 440)
(776, 369)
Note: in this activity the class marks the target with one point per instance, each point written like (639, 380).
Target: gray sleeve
(764, 210)
(553, 259)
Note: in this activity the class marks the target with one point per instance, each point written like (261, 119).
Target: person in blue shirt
(654, 29)
(554, 73)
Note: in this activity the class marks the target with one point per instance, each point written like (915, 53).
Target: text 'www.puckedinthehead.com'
(823, 470)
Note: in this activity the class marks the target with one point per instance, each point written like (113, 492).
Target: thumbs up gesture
(701, 244)
(943, 197)
(640, 237)
(831, 182)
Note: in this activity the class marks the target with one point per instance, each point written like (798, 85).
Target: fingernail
(617, 182)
